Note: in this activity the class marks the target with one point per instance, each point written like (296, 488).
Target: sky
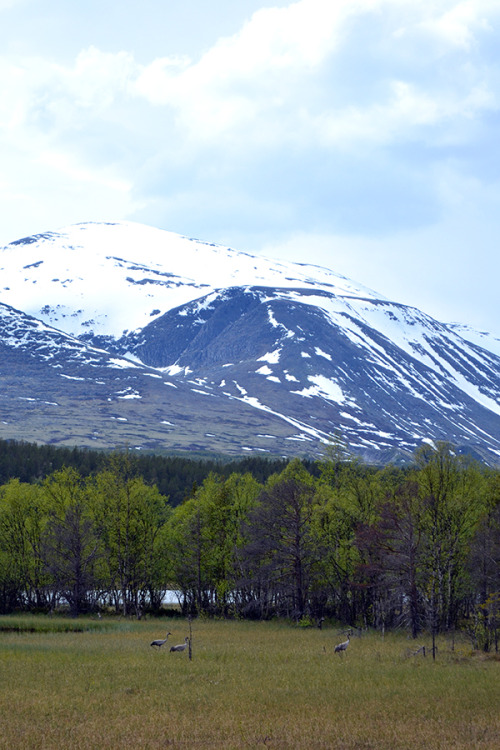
(360, 135)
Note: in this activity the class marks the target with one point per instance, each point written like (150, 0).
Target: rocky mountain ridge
(198, 347)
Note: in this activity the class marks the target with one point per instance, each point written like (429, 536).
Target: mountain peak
(285, 350)
(64, 276)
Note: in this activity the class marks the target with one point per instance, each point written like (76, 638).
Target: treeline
(416, 548)
(173, 475)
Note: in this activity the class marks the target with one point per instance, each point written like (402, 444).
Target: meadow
(98, 684)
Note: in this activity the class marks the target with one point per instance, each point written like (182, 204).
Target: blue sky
(362, 135)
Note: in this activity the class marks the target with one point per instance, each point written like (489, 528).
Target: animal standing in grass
(182, 646)
(341, 647)
(159, 642)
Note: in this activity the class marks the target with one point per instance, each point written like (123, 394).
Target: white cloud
(458, 24)
(46, 114)
(157, 82)
(365, 121)
(407, 109)
(68, 167)
(258, 70)
(100, 78)
(261, 84)
(302, 34)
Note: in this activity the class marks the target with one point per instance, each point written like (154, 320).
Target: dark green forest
(173, 475)
(415, 548)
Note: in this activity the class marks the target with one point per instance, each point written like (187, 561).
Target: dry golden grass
(249, 685)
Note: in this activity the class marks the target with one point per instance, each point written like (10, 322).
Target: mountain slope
(259, 355)
(55, 389)
(322, 360)
(102, 279)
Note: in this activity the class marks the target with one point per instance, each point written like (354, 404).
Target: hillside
(120, 334)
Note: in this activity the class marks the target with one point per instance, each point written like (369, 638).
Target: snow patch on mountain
(323, 387)
(105, 278)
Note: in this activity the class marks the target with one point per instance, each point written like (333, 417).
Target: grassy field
(249, 685)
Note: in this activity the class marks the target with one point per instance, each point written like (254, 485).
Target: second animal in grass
(182, 646)
(340, 647)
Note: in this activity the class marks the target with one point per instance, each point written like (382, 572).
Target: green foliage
(130, 516)
(173, 475)
(206, 532)
(23, 517)
(383, 548)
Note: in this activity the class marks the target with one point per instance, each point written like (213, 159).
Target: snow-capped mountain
(56, 389)
(483, 339)
(171, 343)
(104, 279)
